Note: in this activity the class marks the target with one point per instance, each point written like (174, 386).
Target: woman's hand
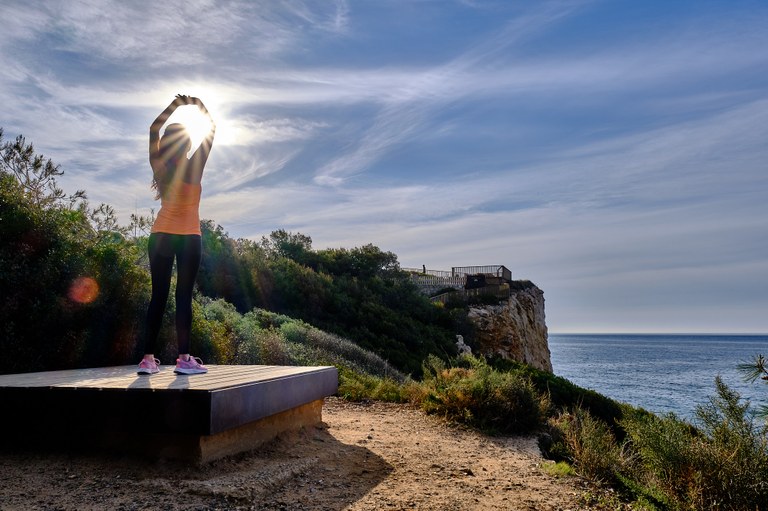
(183, 99)
(195, 101)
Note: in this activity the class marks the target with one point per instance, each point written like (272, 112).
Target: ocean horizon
(663, 373)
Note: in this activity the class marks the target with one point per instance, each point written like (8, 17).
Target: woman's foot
(149, 366)
(192, 365)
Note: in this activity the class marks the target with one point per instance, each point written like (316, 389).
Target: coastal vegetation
(75, 286)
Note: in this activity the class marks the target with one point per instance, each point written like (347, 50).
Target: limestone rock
(515, 329)
(462, 347)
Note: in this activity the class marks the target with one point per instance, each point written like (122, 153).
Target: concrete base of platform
(201, 449)
(183, 447)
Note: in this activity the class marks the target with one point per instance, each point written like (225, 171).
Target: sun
(218, 100)
(198, 125)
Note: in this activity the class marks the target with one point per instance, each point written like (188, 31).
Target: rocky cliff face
(515, 329)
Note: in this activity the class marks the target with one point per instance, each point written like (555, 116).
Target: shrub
(482, 397)
(722, 465)
(356, 386)
(565, 394)
(338, 350)
(46, 252)
(590, 444)
(272, 348)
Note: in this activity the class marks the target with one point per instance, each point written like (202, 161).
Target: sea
(661, 373)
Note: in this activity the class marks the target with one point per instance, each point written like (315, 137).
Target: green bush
(72, 296)
(356, 386)
(590, 444)
(558, 469)
(336, 349)
(357, 294)
(483, 397)
(722, 465)
(564, 395)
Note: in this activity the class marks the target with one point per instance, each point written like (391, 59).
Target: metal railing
(423, 271)
(497, 270)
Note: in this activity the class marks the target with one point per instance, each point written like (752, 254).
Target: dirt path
(365, 457)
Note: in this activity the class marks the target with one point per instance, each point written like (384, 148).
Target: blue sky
(613, 152)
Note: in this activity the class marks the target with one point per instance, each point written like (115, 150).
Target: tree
(282, 243)
(758, 368)
(36, 174)
(229, 268)
(72, 292)
(367, 261)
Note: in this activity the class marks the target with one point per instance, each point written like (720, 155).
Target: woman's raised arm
(200, 156)
(154, 128)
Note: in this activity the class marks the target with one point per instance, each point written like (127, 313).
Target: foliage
(482, 397)
(283, 244)
(71, 288)
(558, 469)
(356, 386)
(224, 336)
(722, 465)
(591, 446)
(565, 394)
(357, 293)
(35, 174)
(229, 268)
(721, 462)
(338, 349)
(758, 368)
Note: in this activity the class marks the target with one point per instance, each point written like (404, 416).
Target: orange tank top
(179, 209)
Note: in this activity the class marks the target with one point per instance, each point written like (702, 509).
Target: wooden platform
(199, 417)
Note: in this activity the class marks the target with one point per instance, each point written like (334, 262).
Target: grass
(590, 445)
(558, 469)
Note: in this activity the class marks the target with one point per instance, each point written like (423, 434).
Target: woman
(176, 231)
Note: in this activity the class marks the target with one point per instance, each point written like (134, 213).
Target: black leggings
(163, 249)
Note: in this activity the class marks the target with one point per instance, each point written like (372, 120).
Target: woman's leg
(161, 256)
(188, 256)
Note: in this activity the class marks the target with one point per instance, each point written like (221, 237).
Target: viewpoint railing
(434, 281)
(496, 270)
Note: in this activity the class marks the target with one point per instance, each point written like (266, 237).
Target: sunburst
(198, 124)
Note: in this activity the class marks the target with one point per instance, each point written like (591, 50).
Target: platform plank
(125, 377)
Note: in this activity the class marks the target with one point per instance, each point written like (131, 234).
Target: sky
(614, 152)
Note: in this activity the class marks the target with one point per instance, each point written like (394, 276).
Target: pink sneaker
(192, 366)
(148, 366)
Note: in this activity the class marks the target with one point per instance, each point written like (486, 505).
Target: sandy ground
(373, 456)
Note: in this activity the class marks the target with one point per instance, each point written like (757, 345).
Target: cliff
(514, 329)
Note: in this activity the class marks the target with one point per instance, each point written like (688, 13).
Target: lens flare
(198, 125)
(83, 290)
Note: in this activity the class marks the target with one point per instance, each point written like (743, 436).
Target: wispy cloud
(409, 104)
(492, 68)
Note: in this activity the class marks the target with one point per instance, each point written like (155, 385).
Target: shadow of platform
(307, 469)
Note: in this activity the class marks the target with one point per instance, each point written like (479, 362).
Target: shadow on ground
(306, 470)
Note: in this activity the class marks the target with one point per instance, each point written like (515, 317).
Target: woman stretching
(176, 231)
